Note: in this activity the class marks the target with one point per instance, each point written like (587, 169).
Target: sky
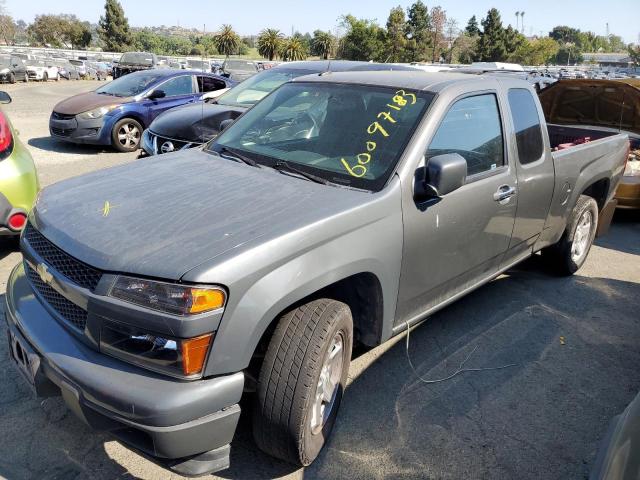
(250, 16)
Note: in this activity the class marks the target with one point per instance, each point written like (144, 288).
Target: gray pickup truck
(341, 209)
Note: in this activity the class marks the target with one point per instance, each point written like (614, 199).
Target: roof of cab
(414, 80)
(341, 66)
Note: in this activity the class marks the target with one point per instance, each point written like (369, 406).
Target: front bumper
(628, 193)
(184, 426)
(76, 130)
(6, 210)
(154, 144)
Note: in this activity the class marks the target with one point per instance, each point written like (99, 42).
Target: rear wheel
(302, 380)
(26, 78)
(57, 77)
(570, 253)
(126, 135)
(45, 77)
(12, 78)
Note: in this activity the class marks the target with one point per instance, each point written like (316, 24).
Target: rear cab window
(210, 84)
(472, 128)
(526, 124)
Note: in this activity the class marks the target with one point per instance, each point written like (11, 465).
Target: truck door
(536, 176)
(453, 242)
(178, 91)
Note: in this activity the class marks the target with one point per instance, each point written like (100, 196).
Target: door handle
(504, 193)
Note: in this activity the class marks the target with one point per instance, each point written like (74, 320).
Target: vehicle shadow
(8, 245)
(51, 144)
(572, 346)
(624, 232)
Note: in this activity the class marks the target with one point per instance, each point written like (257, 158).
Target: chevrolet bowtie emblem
(44, 273)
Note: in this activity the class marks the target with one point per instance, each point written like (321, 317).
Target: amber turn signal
(204, 299)
(194, 353)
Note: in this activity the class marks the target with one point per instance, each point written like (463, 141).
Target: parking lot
(573, 342)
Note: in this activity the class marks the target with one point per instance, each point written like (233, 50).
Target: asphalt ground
(574, 343)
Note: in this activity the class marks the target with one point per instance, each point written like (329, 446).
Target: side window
(210, 84)
(526, 123)
(182, 85)
(472, 128)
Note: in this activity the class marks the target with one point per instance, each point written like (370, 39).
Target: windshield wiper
(105, 93)
(281, 165)
(238, 157)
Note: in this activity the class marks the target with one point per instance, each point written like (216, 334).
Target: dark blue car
(117, 113)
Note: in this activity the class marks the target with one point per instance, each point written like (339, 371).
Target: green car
(18, 179)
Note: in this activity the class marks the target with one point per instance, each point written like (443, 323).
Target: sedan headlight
(173, 356)
(167, 297)
(96, 112)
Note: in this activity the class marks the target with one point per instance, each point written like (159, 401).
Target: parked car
(116, 113)
(12, 69)
(607, 106)
(67, 70)
(80, 66)
(192, 125)
(342, 208)
(134, 62)
(200, 65)
(40, 71)
(239, 70)
(101, 69)
(18, 178)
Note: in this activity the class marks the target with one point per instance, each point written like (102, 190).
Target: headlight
(168, 297)
(96, 112)
(173, 356)
(632, 169)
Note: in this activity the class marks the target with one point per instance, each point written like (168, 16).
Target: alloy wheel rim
(328, 384)
(129, 135)
(582, 236)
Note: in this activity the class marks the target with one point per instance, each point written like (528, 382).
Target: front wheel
(126, 134)
(57, 77)
(302, 380)
(45, 77)
(570, 253)
(12, 78)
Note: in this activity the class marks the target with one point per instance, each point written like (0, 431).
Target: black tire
(125, 126)
(26, 78)
(290, 380)
(560, 256)
(45, 77)
(12, 78)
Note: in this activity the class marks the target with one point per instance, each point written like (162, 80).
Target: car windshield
(129, 85)
(77, 63)
(346, 134)
(240, 65)
(137, 58)
(255, 88)
(198, 65)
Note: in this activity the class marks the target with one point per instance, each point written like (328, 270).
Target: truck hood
(598, 103)
(164, 216)
(87, 101)
(194, 123)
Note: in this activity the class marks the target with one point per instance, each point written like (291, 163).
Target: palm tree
(517, 22)
(226, 40)
(323, 44)
(293, 49)
(522, 17)
(270, 42)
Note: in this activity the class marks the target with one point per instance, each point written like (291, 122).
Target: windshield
(137, 58)
(240, 65)
(129, 85)
(347, 134)
(198, 65)
(77, 63)
(255, 88)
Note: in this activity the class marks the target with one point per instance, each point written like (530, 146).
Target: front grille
(62, 116)
(69, 311)
(172, 145)
(62, 132)
(78, 272)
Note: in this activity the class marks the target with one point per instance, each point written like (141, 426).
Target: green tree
(634, 53)
(438, 22)
(464, 48)
(79, 34)
(114, 27)
(323, 44)
(269, 43)
(541, 51)
(564, 34)
(472, 28)
(293, 49)
(418, 32)
(364, 40)
(227, 40)
(8, 29)
(47, 30)
(491, 47)
(513, 40)
(395, 38)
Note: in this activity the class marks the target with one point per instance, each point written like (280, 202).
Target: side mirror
(225, 123)
(5, 97)
(443, 174)
(156, 94)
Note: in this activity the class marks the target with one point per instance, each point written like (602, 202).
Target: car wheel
(126, 135)
(57, 77)
(45, 77)
(12, 78)
(302, 380)
(570, 253)
(26, 78)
